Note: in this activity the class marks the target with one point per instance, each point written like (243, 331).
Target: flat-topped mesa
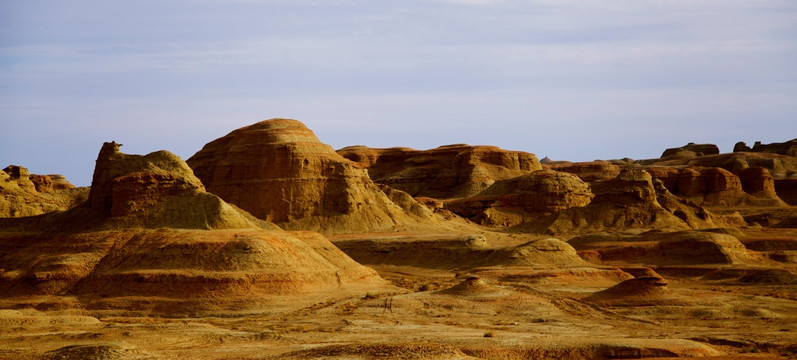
(696, 149)
(279, 171)
(785, 148)
(155, 190)
(446, 172)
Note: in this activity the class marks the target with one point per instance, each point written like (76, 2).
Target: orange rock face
(48, 183)
(279, 171)
(451, 171)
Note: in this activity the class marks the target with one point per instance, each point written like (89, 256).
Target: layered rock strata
(452, 171)
(157, 190)
(513, 201)
(23, 194)
(279, 171)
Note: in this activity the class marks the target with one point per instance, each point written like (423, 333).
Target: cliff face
(279, 171)
(452, 171)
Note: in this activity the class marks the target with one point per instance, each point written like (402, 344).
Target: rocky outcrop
(279, 171)
(785, 148)
(667, 248)
(452, 171)
(23, 194)
(513, 201)
(641, 291)
(52, 182)
(780, 166)
(719, 187)
(590, 171)
(758, 182)
(157, 190)
(694, 149)
(631, 200)
(21, 176)
(151, 238)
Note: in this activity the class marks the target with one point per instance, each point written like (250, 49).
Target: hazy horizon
(570, 80)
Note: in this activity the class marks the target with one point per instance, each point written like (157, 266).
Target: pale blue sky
(574, 80)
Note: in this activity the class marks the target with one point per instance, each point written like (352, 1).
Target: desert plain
(269, 244)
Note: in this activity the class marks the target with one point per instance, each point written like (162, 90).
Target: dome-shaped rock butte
(279, 171)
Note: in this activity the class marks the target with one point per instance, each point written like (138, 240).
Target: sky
(571, 80)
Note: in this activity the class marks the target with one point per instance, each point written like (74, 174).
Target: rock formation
(196, 266)
(23, 194)
(694, 149)
(780, 166)
(631, 200)
(785, 148)
(513, 201)
(641, 291)
(279, 171)
(712, 186)
(590, 171)
(148, 239)
(458, 251)
(661, 248)
(452, 171)
(157, 190)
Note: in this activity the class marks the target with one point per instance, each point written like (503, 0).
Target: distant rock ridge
(23, 194)
(695, 149)
(590, 171)
(279, 171)
(785, 148)
(446, 172)
(712, 186)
